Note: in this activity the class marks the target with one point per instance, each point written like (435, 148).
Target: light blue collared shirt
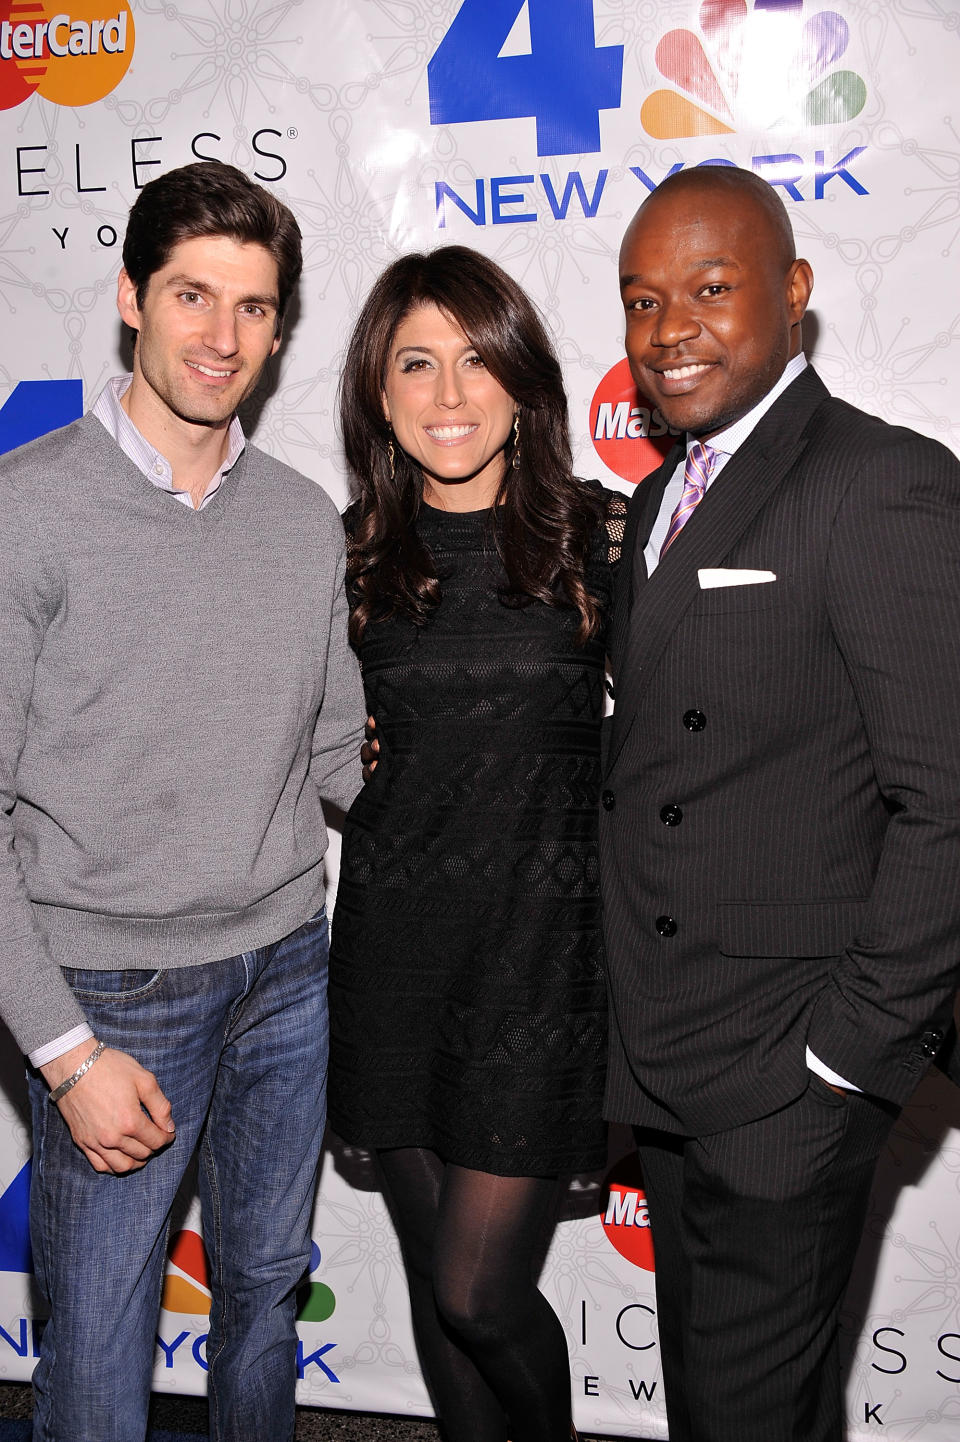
(726, 444)
(146, 457)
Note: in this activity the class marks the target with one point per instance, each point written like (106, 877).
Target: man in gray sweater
(176, 695)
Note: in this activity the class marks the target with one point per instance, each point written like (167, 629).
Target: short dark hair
(548, 516)
(209, 198)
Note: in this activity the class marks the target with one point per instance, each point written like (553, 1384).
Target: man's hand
(370, 750)
(117, 1114)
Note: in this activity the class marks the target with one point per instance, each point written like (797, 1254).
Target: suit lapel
(641, 514)
(746, 484)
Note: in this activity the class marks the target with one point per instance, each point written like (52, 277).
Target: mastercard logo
(69, 57)
(624, 1215)
(629, 435)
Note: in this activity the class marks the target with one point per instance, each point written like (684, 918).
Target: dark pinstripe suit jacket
(811, 882)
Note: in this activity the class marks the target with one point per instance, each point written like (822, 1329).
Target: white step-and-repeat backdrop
(531, 131)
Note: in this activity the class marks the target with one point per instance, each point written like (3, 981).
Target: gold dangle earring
(516, 441)
(390, 455)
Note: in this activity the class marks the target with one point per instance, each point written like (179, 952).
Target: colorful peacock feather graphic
(186, 1287)
(753, 67)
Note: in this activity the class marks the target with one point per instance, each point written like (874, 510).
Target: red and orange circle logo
(69, 56)
(628, 434)
(624, 1215)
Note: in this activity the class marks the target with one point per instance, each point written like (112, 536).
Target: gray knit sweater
(176, 694)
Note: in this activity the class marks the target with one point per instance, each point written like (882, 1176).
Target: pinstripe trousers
(755, 1232)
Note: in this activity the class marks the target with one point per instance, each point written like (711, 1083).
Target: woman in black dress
(466, 989)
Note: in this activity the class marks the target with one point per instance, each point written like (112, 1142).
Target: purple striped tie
(701, 459)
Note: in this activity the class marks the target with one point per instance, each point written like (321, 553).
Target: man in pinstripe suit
(781, 815)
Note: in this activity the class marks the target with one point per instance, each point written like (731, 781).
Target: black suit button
(930, 1042)
(671, 815)
(694, 720)
(666, 925)
(608, 801)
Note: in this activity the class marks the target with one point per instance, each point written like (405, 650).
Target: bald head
(714, 295)
(744, 188)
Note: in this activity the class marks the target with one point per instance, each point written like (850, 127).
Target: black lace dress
(467, 1000)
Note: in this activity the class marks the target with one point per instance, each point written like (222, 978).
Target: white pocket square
(717, 576)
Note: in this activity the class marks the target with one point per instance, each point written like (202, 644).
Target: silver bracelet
(71, 1081)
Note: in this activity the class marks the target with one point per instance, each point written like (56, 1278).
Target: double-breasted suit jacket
(780, 822)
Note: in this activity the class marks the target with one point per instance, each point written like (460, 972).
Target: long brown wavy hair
(547, 516)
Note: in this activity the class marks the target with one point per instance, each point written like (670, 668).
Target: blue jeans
(240, 1049)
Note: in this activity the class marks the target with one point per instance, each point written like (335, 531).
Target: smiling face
(713, 302)
(207, 325)
(447, 411)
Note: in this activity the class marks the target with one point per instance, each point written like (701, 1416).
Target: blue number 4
(564, 82)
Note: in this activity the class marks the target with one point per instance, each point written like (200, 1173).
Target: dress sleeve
(616, 522)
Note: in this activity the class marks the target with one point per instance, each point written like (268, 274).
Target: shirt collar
(729, 441)
(147, 459)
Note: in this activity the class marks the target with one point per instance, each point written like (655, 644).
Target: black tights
(492, 1350)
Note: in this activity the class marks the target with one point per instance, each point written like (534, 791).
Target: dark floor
(189, 1414)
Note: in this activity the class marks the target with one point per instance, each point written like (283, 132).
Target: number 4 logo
(564, 81)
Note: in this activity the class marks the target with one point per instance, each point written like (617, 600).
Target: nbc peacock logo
(186, 1286)
(768, 65)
